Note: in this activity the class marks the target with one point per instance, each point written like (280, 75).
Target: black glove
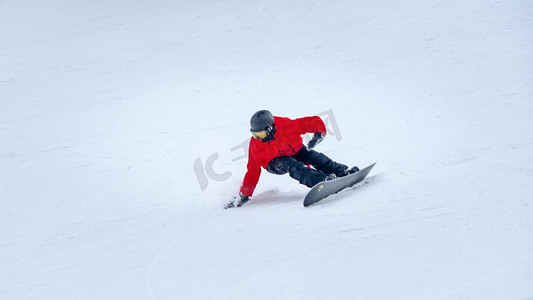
(237, 201)
(317, 138)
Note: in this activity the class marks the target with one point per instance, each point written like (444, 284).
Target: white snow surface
(106, 107)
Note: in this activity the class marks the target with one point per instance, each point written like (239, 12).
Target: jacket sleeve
(252, 175)
(311, 125)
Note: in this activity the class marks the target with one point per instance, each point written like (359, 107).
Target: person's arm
(251, 178)
(311, 125)
(249, 183)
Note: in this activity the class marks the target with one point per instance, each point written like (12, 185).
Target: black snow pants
(296, 166)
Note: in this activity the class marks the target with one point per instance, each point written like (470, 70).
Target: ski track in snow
(455, 292)
(111, 113)
(151, 269)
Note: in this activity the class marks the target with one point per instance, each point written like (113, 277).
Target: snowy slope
(111, 111)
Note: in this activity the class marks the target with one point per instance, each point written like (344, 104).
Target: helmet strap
(271, 130)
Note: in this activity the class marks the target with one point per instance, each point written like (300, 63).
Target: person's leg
(296, 169)
(321, 162)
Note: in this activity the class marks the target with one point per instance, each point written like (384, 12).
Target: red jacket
(287, 141)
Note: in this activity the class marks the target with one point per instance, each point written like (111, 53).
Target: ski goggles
(260, 134)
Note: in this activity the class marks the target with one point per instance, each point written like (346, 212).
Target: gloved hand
(317, 138)
(238, 201)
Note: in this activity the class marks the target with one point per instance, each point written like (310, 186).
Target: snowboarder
(278, 147)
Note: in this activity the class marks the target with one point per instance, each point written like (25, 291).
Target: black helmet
(262, 125)
(261, 120)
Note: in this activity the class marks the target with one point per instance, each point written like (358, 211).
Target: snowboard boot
(349, 171)
(330, 177)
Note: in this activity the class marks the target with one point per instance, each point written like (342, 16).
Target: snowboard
(327, 188)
